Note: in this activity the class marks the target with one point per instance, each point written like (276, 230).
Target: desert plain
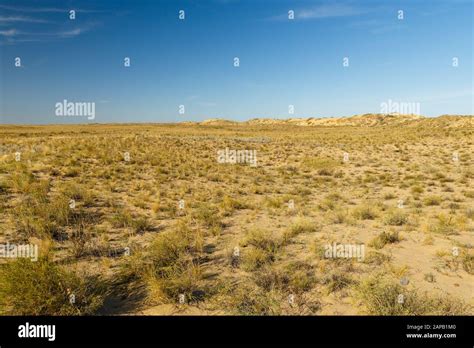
(368, 215)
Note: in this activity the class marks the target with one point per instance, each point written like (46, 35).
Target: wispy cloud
(30, 9)
(11, 32)
(377, 26)
(72, 33)
(17, 36)
(20, 19)
(44, 9)
(328, 11)
(322, 12)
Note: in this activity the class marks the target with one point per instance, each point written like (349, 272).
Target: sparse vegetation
(173, 224)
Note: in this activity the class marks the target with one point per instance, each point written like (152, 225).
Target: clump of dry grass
(385, 238)
(81, 239)
(444, 224)
(184, 277)
(43, 217)
(323, 166)
(43, 288)
(230, 204)
(274, 202)
(170, 246)
(336, 281)
(432, 200)
(381, 296)
(125, 219)
(21, 182)
(417, 189)
(376, 258)
(261, 249)
(78, 193)
(340, 216)
(294, 278)
(467, 259)
(169, 268)
(300, 225)
(331, 202)
(253, 300)
(396, 217)
(210, 217)
(365, 212)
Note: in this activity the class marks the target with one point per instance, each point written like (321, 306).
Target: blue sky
(282, 62)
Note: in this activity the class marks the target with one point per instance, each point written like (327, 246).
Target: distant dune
(366, 120)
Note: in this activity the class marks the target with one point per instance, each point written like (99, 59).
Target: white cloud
(16, 36)
(322, 11)
(11, 32)
(71, 33)
(30, 9)
(43, 9)
(18, 19)
(327, 11)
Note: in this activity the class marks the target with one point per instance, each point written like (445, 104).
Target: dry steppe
(160, 227)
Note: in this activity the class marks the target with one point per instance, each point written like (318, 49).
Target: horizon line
(226, 120)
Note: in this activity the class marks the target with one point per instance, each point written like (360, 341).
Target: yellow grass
(173, 231)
